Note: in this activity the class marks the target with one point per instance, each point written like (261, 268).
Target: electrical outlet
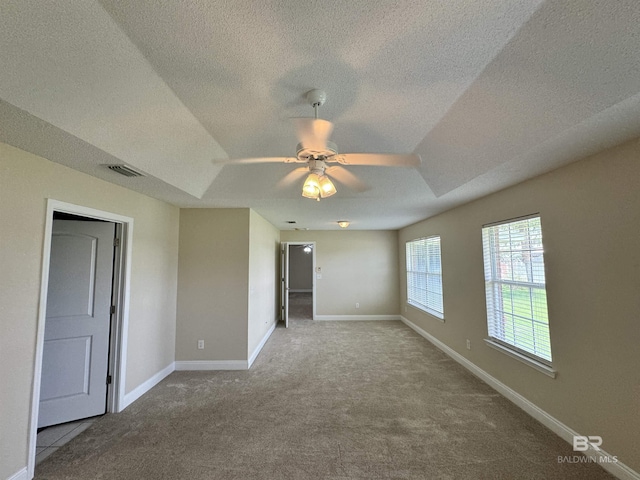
(200, 344)
(357, 305)
(468, 344)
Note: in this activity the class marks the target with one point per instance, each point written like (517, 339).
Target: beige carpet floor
(324, 400)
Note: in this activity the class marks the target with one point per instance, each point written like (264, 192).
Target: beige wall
(300, 269)
(264, 243)
(590, 214)
(358, 266)
(213, 284)
(26, 181)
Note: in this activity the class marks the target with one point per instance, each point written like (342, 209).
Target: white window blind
(424, 275)
(515, 286)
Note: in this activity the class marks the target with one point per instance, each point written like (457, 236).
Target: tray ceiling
(488, 93)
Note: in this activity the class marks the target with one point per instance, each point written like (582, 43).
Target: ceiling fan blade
(258, 160)
(292, 177)
(313, 133)
(347, 178)
(379, 159)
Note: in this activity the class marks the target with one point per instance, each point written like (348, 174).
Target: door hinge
(109, 379)
(113, 309)
(116, 242)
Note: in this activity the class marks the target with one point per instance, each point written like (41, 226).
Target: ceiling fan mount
(316, 98)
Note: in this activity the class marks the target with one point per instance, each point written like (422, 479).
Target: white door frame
(119, 328)
(313, 272)
(284, 283)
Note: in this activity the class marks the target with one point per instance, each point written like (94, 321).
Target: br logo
(582, 444)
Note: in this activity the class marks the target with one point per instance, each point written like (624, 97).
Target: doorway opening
(298, 281)
(83, 315)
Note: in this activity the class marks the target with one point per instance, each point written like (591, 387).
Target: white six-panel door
(76, 342)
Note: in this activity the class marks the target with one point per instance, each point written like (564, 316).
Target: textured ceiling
(487, 92)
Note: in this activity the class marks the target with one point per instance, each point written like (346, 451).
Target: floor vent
(125, 170)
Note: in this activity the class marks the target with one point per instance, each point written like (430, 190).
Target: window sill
(541, 367)
(433, 313)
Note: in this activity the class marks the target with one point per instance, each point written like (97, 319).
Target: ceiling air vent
(125, 170)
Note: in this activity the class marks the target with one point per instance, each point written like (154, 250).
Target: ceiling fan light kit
(311, 187)
(327, 188)
(343, 223)
(318, 186)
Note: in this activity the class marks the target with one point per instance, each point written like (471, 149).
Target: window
(424, 275)
(515, 285)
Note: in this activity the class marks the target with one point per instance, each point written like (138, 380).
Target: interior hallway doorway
(298, 293)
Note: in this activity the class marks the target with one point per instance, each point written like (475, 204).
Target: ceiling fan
(318, 152)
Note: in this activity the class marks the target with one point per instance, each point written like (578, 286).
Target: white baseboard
(357, 317)
(611, 464)
(20, 475)
(212, 365)
(300, 290)
(256, 352)
(144, 387)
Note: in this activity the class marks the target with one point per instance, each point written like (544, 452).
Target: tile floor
(52, 438)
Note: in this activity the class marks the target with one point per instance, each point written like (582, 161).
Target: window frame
(410, 270)
(493, 281)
